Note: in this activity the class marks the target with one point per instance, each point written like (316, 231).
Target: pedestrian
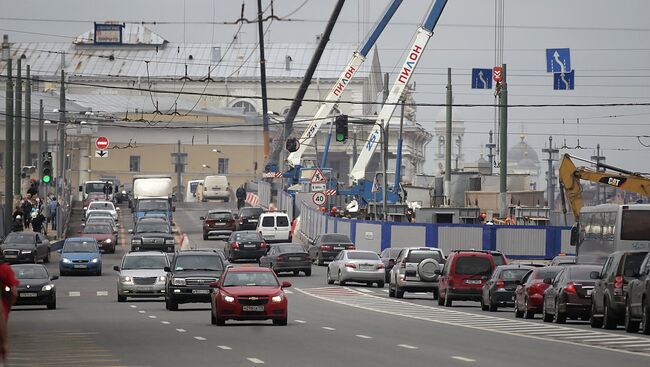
(53, 208)
(18, 224)
(33, 190)
(8, 282)
(27, 206)
(241, 196)
(37, 222)
(17, 212)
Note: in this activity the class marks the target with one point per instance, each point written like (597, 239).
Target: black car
(569, 294)
(19, 247)
(36, 287)
(190, 275)
(245, 245)
(327, 246)
(608, 299)
(637, 307)
(563, 260)
(248, 218)
(287, 257)
(500, 289)
(152, 234)
(218, 223)
(388, 257)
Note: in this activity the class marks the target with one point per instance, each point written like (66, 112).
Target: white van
(190, 191)
(215, 187)
(275, 227)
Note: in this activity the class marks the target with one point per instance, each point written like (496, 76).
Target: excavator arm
(570, 177)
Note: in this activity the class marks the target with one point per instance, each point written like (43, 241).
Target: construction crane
(360, 186)
(336, 92)
(570, 177)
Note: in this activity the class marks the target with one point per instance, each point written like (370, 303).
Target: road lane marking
(102, 293)
(142, 311)
(464, 359)
(363, 336)
(364, 290)
(199, 338)
(181, 330)
(224, 347)
(328, 328)
(165, 322)
(133, 306)
(255, 360)
(153, 317)
(288, 292)
(406, 346)
(300, 321)
(74, 294)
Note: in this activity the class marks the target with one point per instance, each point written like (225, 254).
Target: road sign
(497, 73)
(318, 187)
(558, 60)
(319, 198)
(318, 176)
(102, 143)
(101, 153)
(481, 79)
(564, 81)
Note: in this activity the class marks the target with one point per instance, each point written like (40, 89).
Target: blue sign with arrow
(564, 81)
(481, 78)
(558, 60)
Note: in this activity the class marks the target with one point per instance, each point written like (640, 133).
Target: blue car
(80, 255)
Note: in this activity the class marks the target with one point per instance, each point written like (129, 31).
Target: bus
(606, 228)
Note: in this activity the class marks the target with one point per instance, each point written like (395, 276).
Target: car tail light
(230, 221)
(380, 266)
(618, 282)
(537, 287)
(234, 245)
(326, 248)
(210, 221)
(500, 283)
(570, 288)
(351, 265)
(403, 264)
(264, 245)
(280, 258)
(350, 247)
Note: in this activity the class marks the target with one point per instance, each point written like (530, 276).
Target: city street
(327, 324)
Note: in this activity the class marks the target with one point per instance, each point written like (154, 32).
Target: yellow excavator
(570, 177)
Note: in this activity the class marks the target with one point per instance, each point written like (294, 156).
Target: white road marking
(133, 306)
(224, 347)
(328, 328)
(406, 346)
(199, 338)
(300, 321)
(74, 294)
(634, 341)
(153, 317)
(102, 293)
(288, 292)
(83, 333)
(363, 336)
(142, 311)
(364, 290)
(165, 322)
(255, 360)
(384, 290)
(464, 359)
(181, 330)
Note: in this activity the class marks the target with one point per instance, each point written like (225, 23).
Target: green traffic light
(46, 179)
(340, 137)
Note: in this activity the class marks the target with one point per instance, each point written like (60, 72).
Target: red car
(104, 234)
(529, 295)
(464, 275)
(249, 294)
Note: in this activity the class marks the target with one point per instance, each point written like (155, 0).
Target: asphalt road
(328, 325)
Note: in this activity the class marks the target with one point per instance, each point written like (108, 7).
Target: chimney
(216, 54)
(287, 63)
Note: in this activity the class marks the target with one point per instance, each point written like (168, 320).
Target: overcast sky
(610, 53)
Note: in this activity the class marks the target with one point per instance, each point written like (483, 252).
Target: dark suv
(152, 234)
(190, 275)
(637, 305)
(218, 223)
(328, 245)
(608, 299)
(464, 275)
(248, 218)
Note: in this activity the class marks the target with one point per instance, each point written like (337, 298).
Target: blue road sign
(564, 81)
(558, 60)
(481, 78)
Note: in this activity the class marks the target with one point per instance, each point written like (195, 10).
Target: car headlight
(108, 240)
(277, 299)
(26, 251)
(162, 279)
(65, 260)
(178, 281)
(136, 241)
(169, 241)
(47, 287)
(229, 299)
(95, 260)
(126, 279)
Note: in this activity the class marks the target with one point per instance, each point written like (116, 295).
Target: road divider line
(74, 294)
(224, 347)
(165, 322)
(153, 317)
(255, 360)
(288, 292)
(199, 338)
(142, 311)
(406, 346)
(464, 359)
(300, 321)
(328, 328)
(364, 290)
(181, 330)
(363, 336)
(133, 306)
(102, 293)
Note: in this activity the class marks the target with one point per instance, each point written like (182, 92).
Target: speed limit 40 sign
(319, 198)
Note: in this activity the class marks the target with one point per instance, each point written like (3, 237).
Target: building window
(246, 106)
(134, 163)
(222, 167)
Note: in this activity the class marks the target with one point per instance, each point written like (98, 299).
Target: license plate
(29, 294)
(11, 256)
(220, 224)
(295, 258)
(366, 267)
(253, 220)
(80, 266)
(473, 281)
(253, 308)
(339, 248)
(249, 246)
(200, 291)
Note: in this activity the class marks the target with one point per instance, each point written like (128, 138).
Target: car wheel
(595, 322)
(220, 321)
(47, 257)
(329, 278)
(369, 284)
(308, 273)
(98, 273)
(545, 315)
(528, 313)
(319, 260)
(399, 293)
(281, 322)
(121, 298)
(171, 304)
(448, 301)
(341, 282)
(558, 317)
(492, 306)
(35, 259)
(380, 285)
(645, 320)
(518, 314)
(391, 291)
(205, 236)
(484, 307)
(213, 320)
(52, 305)
(631, 326)
(609, 322)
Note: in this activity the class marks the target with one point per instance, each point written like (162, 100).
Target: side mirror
(594, 275)
(116, 268)
(286, 284)
(437, 272)
(130, 231)
(167, 269)
(214, 284)
(575, 234)
(54, 277)
(548, 280)
(201, 218)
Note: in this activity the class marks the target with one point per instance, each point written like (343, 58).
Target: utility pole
(398, 158)
(600, 198)
(265, 108)
(179, 169)
(384, 164)
(18, 115)
(9, 140)
(61, 156)
(447, 182)
(550, 174)
(39, 157)
(491, 146)
(386, 90)
(503, 144)
(28, 118)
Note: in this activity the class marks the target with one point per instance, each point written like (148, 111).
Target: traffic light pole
(28, 118)
(39, 158)
(9, 149)
(17, 128)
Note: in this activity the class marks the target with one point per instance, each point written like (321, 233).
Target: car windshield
(251, 212)
(248, 236)
(544, 273)
(97, 229)
(582, 272)
(290, 248)
(198, 262)
(513, 274)
(365, 255)
(253, 278)
(473, 265)
(20, 238)
(152, 228)
(416, 256)
(96, 187)
(633, 262)
(144, 262)
(153, 205)
(30, 272)
(80, 247)
(335, 238)
(100, 206)
(219, 215)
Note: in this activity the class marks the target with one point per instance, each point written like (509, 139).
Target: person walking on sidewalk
(26, 207)
(241, 196)
(53, 207)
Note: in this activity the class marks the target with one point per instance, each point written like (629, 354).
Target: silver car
(356, 266)
(414, 271)
(142, 274)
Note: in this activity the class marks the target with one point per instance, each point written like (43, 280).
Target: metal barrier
(285, 203)
(264, 193)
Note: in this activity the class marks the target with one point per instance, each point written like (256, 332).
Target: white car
(356, 266)
(105, 206)
(274, 227)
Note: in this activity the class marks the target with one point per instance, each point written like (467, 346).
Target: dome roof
(523, 153)
(456, 116)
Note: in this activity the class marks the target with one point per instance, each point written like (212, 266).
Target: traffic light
(341, 128)
(292, 145)
(46, 168)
